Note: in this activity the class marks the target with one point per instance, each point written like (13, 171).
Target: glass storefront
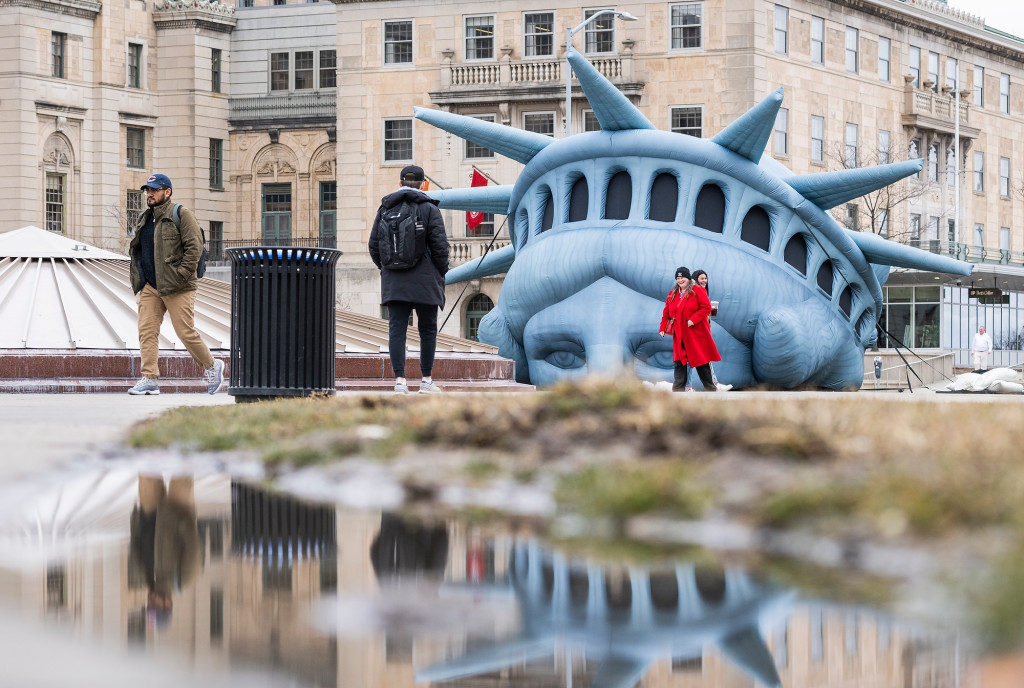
(910, 317)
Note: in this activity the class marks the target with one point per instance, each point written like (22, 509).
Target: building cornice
(941, 21)
(203, 14)
(84, 9)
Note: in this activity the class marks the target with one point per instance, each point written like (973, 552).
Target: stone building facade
(286, 123)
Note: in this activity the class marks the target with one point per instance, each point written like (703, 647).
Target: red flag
(474, 219)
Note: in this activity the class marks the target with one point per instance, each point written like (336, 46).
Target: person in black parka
(419, 288)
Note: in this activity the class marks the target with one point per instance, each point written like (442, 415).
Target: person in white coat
(981, 349)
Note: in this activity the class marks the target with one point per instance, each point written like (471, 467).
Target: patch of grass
(999, 604)
(806, 503)
(619, 491)
(839, 585)
(482, 469)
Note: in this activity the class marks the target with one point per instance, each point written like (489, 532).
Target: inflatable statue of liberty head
(599, 221)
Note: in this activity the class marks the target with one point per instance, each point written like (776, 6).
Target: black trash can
(282, 322)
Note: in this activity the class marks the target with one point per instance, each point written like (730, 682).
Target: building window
(475, 151)
(933, 163)
(933, 71)
(914, 152)
(884, 59)
(280, 2)
(687, 120)
(329, 214)
(279, 71)
(687, 26)
(484, 229)
(216, 163)
(539, 34)
(782, 132)
(884, 146)
(480, 37)
(398, 42)
(933, 228)
(133, 209)
(134, 65)
(245, 3)
(277, 214)
(952, 73)
(599, 35)
(781, 29)
(915, 226)
(883, 223)
(1004, 177)
(851, 216)
(1004, 238)
(398, 140)
(915, 66)
(979, 234)
(817, 40)
(979, 172)
(328, 69)
(304, 70)
(851, 160)
(55, 202)
(817, 138)
(540, 123)
(951, 166)
(216, 248)
(58, 50)
(478, 306)
(979, 86)
(590, 122)
(1004, 93)
(215, 56)
(852, 50)
(136, 147)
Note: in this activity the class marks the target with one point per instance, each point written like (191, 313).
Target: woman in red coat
(685, 317)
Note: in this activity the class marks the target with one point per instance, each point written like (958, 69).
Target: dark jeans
(398, 324)
(682, 374)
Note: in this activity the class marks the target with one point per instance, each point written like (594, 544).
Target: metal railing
(931, 370)
(971, 253)
(319, 106)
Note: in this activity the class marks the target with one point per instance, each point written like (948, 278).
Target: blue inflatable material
(599, 221)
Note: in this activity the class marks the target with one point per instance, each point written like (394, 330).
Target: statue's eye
(656, 352)
(565, 359)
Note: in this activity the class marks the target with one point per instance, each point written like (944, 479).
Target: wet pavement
(162, 570)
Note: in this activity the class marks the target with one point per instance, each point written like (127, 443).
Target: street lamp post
(569, 33)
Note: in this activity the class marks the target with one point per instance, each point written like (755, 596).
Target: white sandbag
(996, 374)
(1004, 387)
(963, 382)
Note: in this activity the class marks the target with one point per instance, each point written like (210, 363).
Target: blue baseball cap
(158, 181)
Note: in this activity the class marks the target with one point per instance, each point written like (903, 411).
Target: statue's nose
(606, 358)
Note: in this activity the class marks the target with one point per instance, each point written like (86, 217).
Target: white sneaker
(145, 385)
(722, 388)
(401, 388)
(214, 376)
(429, 387)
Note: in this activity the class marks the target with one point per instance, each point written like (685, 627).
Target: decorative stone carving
(325, 168)
(57, 154)
(204, 5)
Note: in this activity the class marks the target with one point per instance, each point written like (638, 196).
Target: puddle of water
(217, 582)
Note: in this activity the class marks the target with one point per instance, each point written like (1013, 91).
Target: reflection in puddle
(229, 578)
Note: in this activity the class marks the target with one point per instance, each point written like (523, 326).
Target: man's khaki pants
(180, 307)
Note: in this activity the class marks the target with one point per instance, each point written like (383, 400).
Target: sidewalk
(40, 431)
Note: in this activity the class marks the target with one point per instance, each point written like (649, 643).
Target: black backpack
(401, 237)
(201, 267)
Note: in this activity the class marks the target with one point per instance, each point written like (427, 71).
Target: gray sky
(1006, 15)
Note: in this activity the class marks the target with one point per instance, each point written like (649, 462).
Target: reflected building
(437, 604)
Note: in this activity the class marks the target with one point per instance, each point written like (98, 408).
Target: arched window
(619, 197)
(709, 213)
(846, 300)
(549, 211)
(826, 276)
(664, 198)
(579, 200)
(478, 306)
(757, 228)
(796, 253)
